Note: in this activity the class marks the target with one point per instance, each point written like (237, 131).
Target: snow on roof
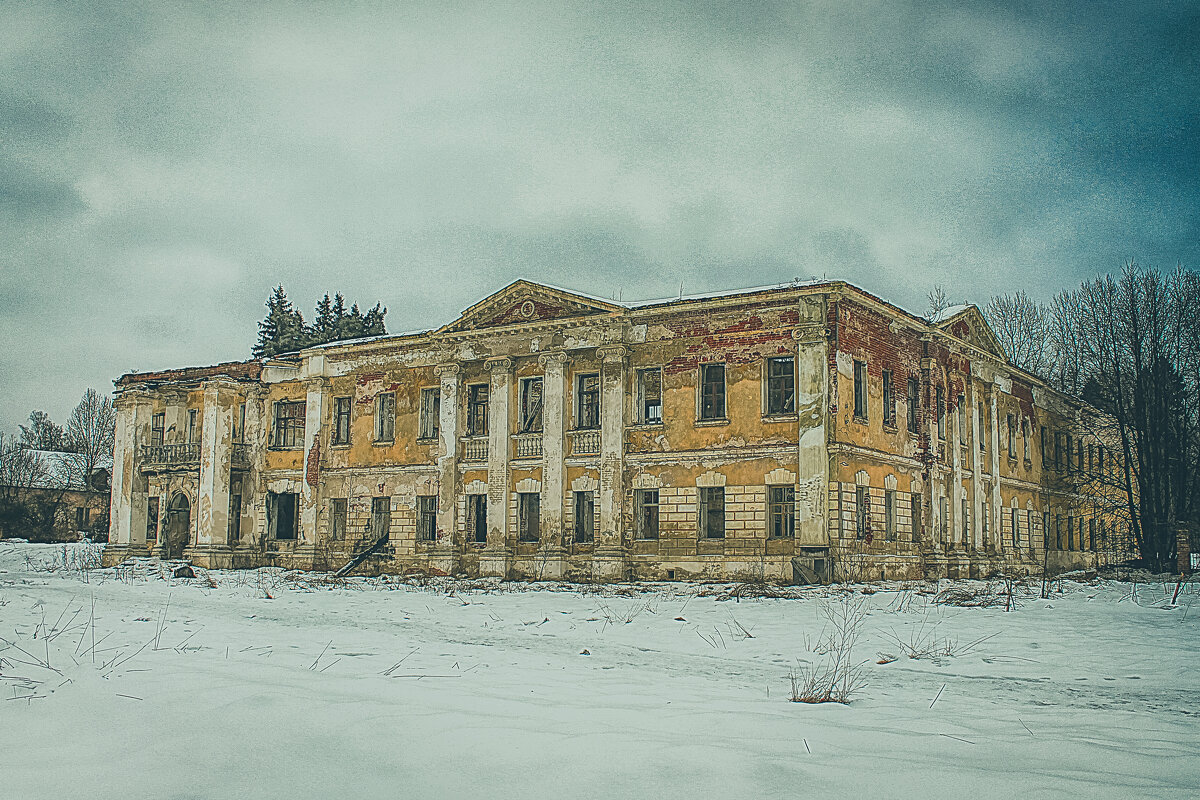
(949, 312)
(364, 339)
(723, 293)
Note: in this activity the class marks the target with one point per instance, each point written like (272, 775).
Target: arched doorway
(178, 528)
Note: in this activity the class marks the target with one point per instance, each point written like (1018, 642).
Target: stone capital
(556, 359)
(447, 370)
(810, 333)
(502, 364)
(315, 384)
(613, 353)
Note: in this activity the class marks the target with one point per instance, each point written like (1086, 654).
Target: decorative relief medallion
(527, 309)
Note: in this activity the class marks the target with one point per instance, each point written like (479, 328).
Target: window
(80, 518)
(1025, 437)
(966, 521)
(1091, 542)
(477, 518)
(341, 420)
(986, 518)
(860, 389)
(862, 518)
(1100, 458)
(712, 391)
(193, 425)
(239, 423)
(914, 405)
(889, 400)
(1079, 458)
(781, 385)
(962, 420)
(531, 406)
(889, 514)
(650, 395)
(477, 409)
(587, 400)
(152, 519)
(282, 517)
(381, 516)
(1012, 437)
(585, 517)
(712, 512)
(385, 417)
(984, 427)
(646, 501)
(944, 504)
(782, 511)
(1058, 446)
(940, 396)
(337, 518)
(289, 424)
(157, 427)
(1091, 461)
(1016, 528)
(235, 517)
(1058, 537)
(1042, 444)
(427, 517)
(528, 516)
(1070, 452)
(914, 504)
(430, 413)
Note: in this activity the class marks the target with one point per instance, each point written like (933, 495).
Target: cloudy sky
(162, 166)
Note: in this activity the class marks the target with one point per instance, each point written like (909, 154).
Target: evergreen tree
(283, 329)
(373, 321)
(323, 326)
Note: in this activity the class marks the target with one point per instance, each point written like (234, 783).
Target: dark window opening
(585, 517)
(235, 518)
(283, 519)
(860, 389)
(914, 405)
(385, 417)
(427, 518)
(152, 520)
(337, 518)
(289, 424)
(587, 406)
(647, 513)
(782, 503)
(529, 513)
(341, 420)
(431, 409)
(157, 427)
(650, 394)
(531, 406)
(889, 399)
(477, 409)
(712, 512)
(712, 391)
(477, 518)
(381, 516)
(781, 385)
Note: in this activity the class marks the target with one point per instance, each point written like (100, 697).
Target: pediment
(971, 326)
(525, 302)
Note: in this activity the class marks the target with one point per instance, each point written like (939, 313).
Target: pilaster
(314, 417)
(609, 556)
(496, 555)
(444, 554)
(812, 408)
(127, 510)
(551, 556)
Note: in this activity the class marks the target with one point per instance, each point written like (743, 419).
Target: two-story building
(786, 433)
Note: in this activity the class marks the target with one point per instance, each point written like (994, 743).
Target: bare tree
(938, 302)
(22, 470)
(1023, 328)
(90, 430)
(43, 433)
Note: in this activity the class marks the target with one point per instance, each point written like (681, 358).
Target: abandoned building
(791, 433)
(54, 501)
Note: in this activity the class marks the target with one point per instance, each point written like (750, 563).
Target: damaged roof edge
(236, 370)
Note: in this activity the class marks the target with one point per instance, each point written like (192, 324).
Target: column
(812, 404)
(997, 512)
(314, 417)
(975, 542)
(443, 557)
(608, 562)
(954, 496)
(253, 503)
(212, 528)
(551, 561)
(494, 560)
(935, 482)
(127, 510)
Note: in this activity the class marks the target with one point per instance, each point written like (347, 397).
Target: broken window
(966, 521)
(983, 427)
(289, 424)
(235, 515)
(914, 404)
(587, 400)
(585, 517)
(381, 516)
(712, 391)
(650, 395)
(889, 514)
(338, 513)
(915, 508)
(430, 413)
(529, 512)
(712, 512)
(341, 420)
(193, 425)
(646, 502)
(889, 400)
(781, 385)
(477, 409)
(477, 518)
(782, 502)
(80, 518)
(1025, 437)
(427, 518)
(239, 423)
(1012, 437)
(283, 521)
(152, 520)
(860, 389)
(862, 512)
(385, 417)
(940, 396)
(157, 427)
(962, 420)
(531, 406)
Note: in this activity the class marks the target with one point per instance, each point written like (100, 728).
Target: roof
(237, 370)
(948, 313)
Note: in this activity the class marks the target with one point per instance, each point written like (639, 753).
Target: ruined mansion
(796, 433)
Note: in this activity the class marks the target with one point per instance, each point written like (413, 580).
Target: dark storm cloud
(163, 165)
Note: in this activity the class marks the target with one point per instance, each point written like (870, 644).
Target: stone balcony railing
(239, 454)
(170, 456)
(585, 443)
(527, 445)
(475, 448)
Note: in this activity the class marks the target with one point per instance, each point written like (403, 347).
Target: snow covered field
(252, 685)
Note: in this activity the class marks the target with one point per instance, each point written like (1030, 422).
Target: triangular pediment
(525, 302)
(971, 326)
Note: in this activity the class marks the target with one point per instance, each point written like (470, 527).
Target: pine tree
(323, 322)
(283, 329)
(373, 321)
